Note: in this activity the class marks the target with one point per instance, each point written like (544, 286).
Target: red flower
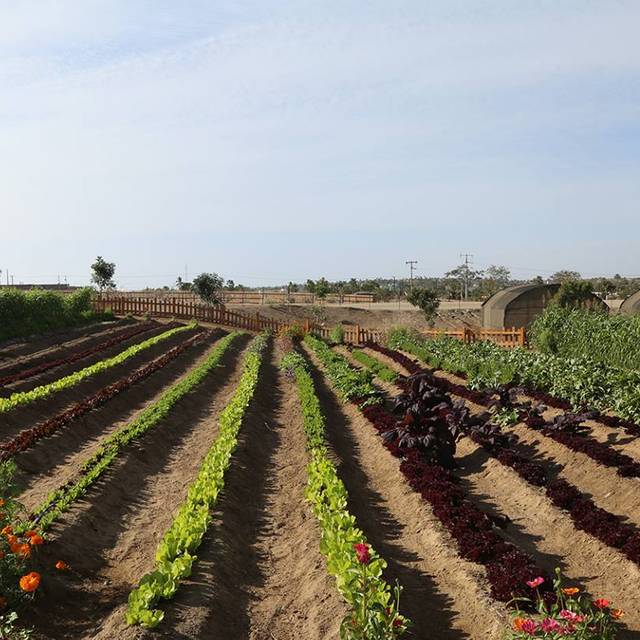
(601, 603)
(362, 551)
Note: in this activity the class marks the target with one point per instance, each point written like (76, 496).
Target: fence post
(357, 331)
(307, 326)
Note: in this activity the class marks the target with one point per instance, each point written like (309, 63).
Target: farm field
(196, 482)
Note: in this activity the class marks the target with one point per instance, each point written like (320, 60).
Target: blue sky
(272, 141)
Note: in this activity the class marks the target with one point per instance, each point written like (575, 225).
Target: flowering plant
(567, 615)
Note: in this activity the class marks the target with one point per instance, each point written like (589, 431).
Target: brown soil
(55, 460)
(15, 353)
(546, 532)
(109, 538)
(27, 415)
(259, 570)
(371, 318)
(444, 595)
(259, 574)
(64, 370)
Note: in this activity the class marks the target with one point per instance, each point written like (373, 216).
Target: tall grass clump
(571, 333)
(24, 313)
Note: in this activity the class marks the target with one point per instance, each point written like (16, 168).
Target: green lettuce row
(176, 551)
(61, 499)
(373, 604)
(24, 397)
(351, 384)
(374, 365)
(584, 382)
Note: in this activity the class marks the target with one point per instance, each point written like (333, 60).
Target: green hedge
(25, 313)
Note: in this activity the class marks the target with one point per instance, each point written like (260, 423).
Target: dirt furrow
(445, 596)
(55, 460)
(548, 534)
(64, 370)
(11, 422)
(259, 572)
(15, 353)
(607, 489)
(109, 539)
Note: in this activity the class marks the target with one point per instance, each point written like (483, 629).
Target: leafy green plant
(43, 391)
(351, 383)
(375, 366)
(582, 381)
(60, 499)
(576, 333)
(176, 552)
(9, 630)
(336, 335)
(357, 568)
(24, 313)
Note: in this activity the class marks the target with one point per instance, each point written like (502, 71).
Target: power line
(468, 258)
(411, 264)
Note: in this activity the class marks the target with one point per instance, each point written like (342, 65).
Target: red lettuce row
(28, 437)
(600, 452)
(585, 514)
(116, 339)
(508, 568)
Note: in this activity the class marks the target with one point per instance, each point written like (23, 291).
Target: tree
(538, 280)
(467, 277)
(495, 278)
(208, 286)
(574, 294)
(426, 300)
(231, 285)
(181, 285)
(564, 275)
(321, 288)
(311, 286)
(103, 274)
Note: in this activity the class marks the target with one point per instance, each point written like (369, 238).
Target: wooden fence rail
(353, 334)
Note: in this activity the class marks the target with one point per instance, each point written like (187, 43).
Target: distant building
(631, 305)
(519, 306)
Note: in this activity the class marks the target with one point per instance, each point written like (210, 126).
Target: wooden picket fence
(515, 337)
(161, 307)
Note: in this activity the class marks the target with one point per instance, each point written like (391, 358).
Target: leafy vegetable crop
(25, 397)
(119, 337)
(373, 604)
(61, 499)
(28, 437)
(176, 553)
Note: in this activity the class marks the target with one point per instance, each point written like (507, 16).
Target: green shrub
(24, 313)
(336, 335)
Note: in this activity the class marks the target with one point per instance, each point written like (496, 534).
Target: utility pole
(468, 257)
(412, 268)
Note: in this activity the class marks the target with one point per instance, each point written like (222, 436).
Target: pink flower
(549, 625)
(570, 616)
(529, 626)
(536, 582)
(362, 551)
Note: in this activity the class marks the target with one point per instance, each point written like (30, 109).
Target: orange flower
(11, 539)
(61, 565)
(22, 549)
(30, 582)
(2, 502)
(31, 532)
(570, 591)
(36, 540)
(617, 613)
(8, 530)
(517, 623)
